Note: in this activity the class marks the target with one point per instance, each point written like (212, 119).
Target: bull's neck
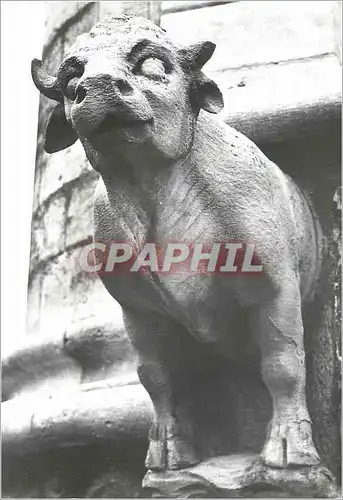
(146, 180)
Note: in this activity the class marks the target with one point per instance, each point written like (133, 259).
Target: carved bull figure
(171, 171)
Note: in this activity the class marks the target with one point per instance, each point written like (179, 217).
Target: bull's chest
(186, 214)
(193, 298)
(197, 301)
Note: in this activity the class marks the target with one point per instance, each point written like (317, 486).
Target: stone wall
(64, 303)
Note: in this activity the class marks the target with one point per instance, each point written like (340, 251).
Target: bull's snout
(115, 87)
(103, 95)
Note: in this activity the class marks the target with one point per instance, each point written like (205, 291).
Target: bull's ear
(209, 95)
(59, 133)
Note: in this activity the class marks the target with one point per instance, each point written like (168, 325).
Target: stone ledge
(290, 123)
(87, 415)
(241, 476)
(87, 442)
(268, 103)
(44, 366)
(256, 32)
(119, 418)
(171, 7)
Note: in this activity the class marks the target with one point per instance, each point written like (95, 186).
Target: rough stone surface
(337, 26)
(278, 86)
(81, 25)
(175, 5)
(53, 54)
(80, 210)
(47, 228)
(95, 471)
(64, 218)
(60, 13)
(88, 442)
(283, 102)
(47, 362)
(61, 168)
(150, 9)
(118, 414)
(69, 297)
(252, 33)
(39, 371)
(33, 306)
(240, 476)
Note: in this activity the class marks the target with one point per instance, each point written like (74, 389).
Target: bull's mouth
(114, 122)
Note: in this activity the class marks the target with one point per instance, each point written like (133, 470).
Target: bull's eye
(71, 88)
(153, 68)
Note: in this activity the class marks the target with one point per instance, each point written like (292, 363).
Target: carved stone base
(240, 476)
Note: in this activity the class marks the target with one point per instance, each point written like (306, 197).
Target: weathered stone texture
(79, 223)
(176, 5)
(64, 218)
(61, 168)
(337, 26)
(53, 54)
(150, 9)
(59, 13)
(48, 230)
(82, 24)
(280, 85)
(36, 373)
(252, 33)
(33, 305)
(240, 476)
(66, 293)
(103, 423)
(284, 101)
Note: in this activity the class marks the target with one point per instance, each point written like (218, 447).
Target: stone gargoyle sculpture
(170, 172)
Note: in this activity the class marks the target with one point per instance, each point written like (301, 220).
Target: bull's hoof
(290, 444)
(168, 450)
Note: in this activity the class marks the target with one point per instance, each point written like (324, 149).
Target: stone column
(71, 385)
(66, 305)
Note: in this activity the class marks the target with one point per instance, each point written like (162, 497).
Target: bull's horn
(46, 84)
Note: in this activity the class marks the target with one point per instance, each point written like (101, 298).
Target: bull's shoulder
(223, 147)
(244, 183)
(232, 161)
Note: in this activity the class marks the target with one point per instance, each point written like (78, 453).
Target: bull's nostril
(124, 87)
(80, 94)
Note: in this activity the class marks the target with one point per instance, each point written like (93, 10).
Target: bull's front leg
(280, 332)
(170, 438)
